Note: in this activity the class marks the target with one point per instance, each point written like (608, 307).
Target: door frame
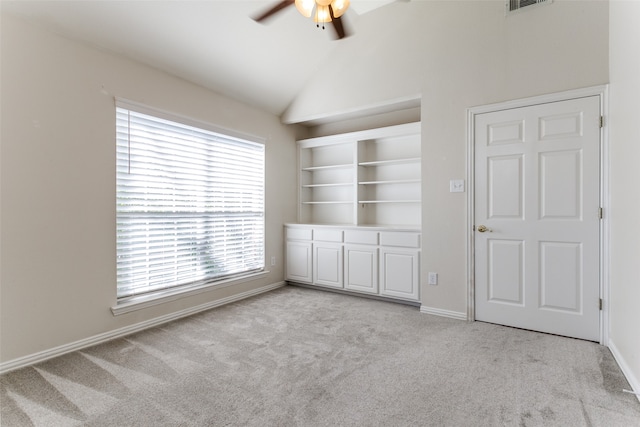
(602, 92)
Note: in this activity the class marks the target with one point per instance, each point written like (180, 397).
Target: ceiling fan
(323, 11)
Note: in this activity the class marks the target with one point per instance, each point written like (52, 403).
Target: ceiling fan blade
(276, 8)
(337, 24)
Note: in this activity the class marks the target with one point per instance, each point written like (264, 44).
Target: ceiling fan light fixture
(321, 9)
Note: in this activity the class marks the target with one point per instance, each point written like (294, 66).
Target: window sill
(144, 301)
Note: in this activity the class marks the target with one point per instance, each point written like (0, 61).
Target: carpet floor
(302, 357)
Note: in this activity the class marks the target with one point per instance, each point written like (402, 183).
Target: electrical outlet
(433, 278)
(273, 261)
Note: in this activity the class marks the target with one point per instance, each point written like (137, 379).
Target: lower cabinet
(327, 264)
(361, 268)
(299, 261)
(399, 273)
(361, 260)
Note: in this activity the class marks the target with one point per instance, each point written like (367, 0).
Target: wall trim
(385, 106)
(626, 370)
(354, 294)
(443, 313)
(41, 356)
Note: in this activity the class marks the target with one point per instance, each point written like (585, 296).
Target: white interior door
(537, 193)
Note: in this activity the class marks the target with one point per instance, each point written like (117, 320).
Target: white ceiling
(213, 43)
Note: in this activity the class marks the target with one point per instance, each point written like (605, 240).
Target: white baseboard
(41, 356)
(443, 313)
(624, 367)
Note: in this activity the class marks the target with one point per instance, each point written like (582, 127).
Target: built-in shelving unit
(359, 213)
(370, 177)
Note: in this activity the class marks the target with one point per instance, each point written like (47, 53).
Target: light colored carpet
(301, 357)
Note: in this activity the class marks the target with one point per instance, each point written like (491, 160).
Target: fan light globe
(305, 7)
(322, 14)
(339, 7)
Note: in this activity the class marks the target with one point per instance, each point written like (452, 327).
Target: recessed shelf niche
(370, 177)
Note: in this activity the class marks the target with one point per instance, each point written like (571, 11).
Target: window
(190, 203)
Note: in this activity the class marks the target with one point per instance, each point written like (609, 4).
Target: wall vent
(513, 5)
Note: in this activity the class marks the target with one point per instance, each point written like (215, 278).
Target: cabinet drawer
(327, 235)
(299, 233)
(363, 237)
(396, 238)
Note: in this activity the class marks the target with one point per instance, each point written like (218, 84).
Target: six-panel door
(537, 217)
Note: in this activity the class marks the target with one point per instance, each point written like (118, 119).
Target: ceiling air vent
(519, 4)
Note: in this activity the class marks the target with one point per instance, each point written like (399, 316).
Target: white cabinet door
(399, 273)
(299, 261)
(361, 268)
(327, 264)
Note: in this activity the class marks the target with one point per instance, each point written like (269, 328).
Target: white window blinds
(190, 204)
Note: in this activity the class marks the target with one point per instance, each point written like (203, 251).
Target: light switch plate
(456, 186)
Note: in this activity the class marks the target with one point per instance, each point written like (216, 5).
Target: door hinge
(601, 121)
(600, 304)
(600, 213)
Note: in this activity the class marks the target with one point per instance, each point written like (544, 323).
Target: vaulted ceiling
(213, 43)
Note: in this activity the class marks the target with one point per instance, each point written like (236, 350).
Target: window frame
(126, 304)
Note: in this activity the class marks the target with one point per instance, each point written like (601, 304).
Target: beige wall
(624, 136)
(457, 55)
(58, 184)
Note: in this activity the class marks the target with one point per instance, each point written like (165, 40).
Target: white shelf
(391, 181)
(328, 167)
(390, 162)
(371, 202)
(337, 184)
(330, 202)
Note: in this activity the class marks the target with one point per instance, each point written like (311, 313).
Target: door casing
(602, 93)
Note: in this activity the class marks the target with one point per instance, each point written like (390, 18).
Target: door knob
(483, 228)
